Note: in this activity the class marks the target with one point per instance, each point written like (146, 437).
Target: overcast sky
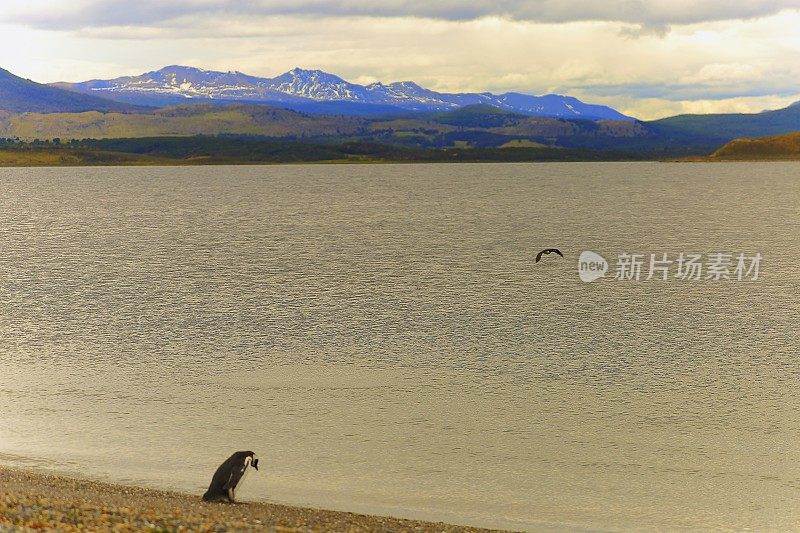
(647, 58)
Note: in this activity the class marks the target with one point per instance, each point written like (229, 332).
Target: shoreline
(154, 163)
(33, 500)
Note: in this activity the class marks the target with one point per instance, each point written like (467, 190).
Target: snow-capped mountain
(314, 84)
(299, 87)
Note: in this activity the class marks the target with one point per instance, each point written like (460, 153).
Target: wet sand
(35, 501)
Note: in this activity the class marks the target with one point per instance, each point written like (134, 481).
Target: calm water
(381, 336)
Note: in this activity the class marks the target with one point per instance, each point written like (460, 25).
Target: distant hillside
(478, 116)
(725, 127)
(487, 127)
(760, 149)
(201, 150)
(177, 121)
(19, 95)
(300, 88)
(478, 126)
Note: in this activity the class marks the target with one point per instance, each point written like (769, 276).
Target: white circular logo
(591, 266)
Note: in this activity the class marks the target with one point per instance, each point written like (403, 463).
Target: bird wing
(236, 475)
(556, 250)
(539, 256)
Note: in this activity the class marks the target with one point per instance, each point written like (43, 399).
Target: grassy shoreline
(252, 151)
(36, 501)
(199, 151)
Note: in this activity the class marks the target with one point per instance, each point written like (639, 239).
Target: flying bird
(547, 252)
(229, 477)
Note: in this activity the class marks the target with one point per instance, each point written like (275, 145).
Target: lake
(383, 338)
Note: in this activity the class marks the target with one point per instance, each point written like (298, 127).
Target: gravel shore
(35, 501)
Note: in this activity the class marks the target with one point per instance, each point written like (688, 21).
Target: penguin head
(251, 459)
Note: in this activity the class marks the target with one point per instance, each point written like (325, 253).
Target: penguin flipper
(236, 476)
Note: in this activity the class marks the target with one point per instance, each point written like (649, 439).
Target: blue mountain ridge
(305, 90)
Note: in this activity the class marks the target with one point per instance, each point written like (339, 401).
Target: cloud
(719, 65)
(644, 30)
(654, 108)
(645, 16)
(750, 87)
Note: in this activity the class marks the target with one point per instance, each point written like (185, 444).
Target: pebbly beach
(38, 501)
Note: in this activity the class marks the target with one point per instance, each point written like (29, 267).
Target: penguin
(229, 477)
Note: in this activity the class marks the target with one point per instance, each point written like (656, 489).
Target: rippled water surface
(382, 337)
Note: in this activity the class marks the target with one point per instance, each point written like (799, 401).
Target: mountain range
(315, 107)
(318, 91)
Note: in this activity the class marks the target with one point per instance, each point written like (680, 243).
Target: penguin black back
(229, 476)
